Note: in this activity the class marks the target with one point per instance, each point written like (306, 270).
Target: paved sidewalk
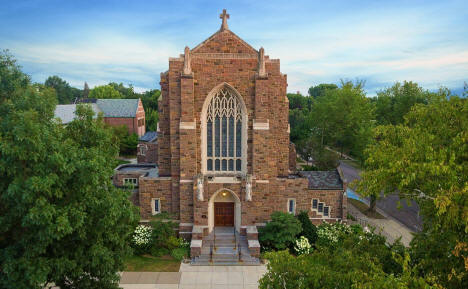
(389, 227)
(196, 277)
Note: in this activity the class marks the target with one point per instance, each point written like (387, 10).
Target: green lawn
(365, 209)
(121, 162)
(149, 263)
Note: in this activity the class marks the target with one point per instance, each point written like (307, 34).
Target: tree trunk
(373, 203)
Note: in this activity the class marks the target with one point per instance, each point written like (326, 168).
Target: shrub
(329, 234)
(179, 253)
(303, 246)
(308, 229)
(163, 230)
(141, 240)
(280, 233)
(172, 243)
(159, 252)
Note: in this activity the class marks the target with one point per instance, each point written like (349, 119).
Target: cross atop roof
(225, 17)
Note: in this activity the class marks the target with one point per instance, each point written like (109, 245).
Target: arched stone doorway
(224, 207)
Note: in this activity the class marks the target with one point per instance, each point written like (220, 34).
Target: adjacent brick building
(225, 158)
(128, 112)
(147, 150)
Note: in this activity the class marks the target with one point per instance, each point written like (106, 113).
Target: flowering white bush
(183, 243)
(303, 246)
(142, 235)
(331, 232)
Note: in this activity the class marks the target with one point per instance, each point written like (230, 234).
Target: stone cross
(225, 17)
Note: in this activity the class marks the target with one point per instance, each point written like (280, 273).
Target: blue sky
(317, 41)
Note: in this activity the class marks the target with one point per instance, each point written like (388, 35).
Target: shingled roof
(118, 107)
(108, 107)
(323, 180)
(66, 112)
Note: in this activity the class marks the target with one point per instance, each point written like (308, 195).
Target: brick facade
(226, 60)
(134, 124)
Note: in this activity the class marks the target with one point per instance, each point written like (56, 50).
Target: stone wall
(292, 157)
(154, 188)
(151, 154)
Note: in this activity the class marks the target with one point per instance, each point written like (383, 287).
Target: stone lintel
(262, 181)
(186, 181)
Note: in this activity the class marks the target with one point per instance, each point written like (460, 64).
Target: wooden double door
(224, 214)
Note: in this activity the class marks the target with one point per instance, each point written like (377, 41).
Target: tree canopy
(61, 218)
(426, 159)
(104, 91)
(65, 93)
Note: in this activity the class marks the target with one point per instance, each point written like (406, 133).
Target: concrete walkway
(194, 277)
(389, 227)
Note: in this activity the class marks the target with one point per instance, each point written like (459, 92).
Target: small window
(326, 211)
(314, 204)
(130, 182)
(156, 206)
(320, 207)
(143, 150)
(292, 206)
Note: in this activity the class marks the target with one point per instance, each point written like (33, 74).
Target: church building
(224, 154)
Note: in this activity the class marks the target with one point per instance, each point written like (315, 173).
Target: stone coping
(197, 229)
(196, 243)
(252, 230)
(253, 244)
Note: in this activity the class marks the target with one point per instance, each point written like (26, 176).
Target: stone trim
(186, 181)
(187, 125)
(261, 125)
(224, 180)
(224, 56)
(158, 178)
(185, 224)
(262, 181)
(289, 128)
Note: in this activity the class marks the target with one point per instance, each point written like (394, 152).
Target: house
(225, 161)
(128, 112)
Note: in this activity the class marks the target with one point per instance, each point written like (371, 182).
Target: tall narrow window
(224, 126)
(292, 206)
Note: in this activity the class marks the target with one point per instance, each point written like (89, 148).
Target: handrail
(211, 253)
(235, 239)
(240, 253)
(214, 237)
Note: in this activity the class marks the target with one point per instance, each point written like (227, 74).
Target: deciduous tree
(61, 219)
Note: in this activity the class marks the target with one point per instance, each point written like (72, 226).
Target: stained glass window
(224, 132)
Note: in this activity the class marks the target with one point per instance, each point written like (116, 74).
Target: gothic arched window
(223, 135)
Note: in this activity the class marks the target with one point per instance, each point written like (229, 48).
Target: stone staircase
(225, 247)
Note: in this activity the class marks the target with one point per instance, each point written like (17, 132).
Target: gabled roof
(226, 37)
(66, 112)
(323, 180)
(118, 107)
